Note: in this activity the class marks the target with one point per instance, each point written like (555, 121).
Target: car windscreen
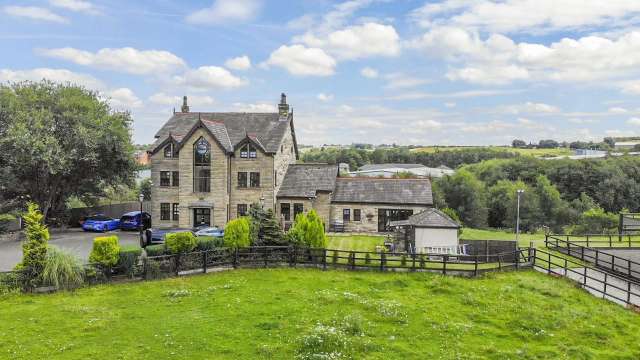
(127, 218)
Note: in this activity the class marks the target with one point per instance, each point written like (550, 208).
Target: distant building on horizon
(393, 169)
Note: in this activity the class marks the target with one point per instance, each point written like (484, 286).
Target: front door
(201, 216)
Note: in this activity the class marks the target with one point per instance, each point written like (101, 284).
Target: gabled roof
(305, 180)
(383, 191)
(430, 218)
(229, 129)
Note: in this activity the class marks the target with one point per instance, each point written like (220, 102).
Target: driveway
(73, 240)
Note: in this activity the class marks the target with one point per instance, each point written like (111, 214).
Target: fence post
(324, 259)
(610, 242)
(565, 267)
(352, 260)
(628, 292)
(444, 264)
(587, 240)
(382, 260)
(517, 254)
(475, 266)
(605, 285)
(235, 259)
(266, 256)
(413, 258)
(584, 280)
(582, 252)
(144, 267)
(204, 261)
(596, 257)
(500, 262)
(629, 267)
(176, 262)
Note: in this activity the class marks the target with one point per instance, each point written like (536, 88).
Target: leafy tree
(596, 221)
(59, 140)
(34, 249)
(464, 193)
(517, 143)
(548, 144)
(145, 189)
(236, 233)
(265, 228)
(553, 210)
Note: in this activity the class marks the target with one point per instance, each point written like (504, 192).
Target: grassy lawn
(532, 152)
(284, 313)
(355, 242)
(482, 234)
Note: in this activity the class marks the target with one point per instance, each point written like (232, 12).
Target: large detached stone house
(208, 168)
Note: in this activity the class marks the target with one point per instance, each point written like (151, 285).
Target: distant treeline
(451, 158)
(579, 196)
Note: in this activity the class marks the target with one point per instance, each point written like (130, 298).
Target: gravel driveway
(74, 240)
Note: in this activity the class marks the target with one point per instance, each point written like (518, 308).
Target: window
(356, 215)
(164, 211)
(175, 212)
(254, 179)
(175, 178)
(385, 216)
(168, 151)
(285, 211)
(242, 180)
(201, 166)
(297, 209)
(242, 210)
(165, 178)
(248, 151)
(346, 215)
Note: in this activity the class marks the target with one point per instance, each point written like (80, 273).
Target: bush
(236, 233)
(308, 230)
(105, 251)
(62, 270)
(205, 243)
(34, 249)
(180, 242)
(128, 258)
(155, 250)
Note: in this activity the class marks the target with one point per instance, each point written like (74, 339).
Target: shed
(430, 231)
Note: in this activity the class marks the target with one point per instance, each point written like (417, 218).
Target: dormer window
(248, 151)
(168, 151)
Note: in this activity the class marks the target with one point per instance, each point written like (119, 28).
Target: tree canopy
(60, 140)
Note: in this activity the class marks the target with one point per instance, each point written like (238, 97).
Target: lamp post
(519, 192)
(140, 223)
(262, 202)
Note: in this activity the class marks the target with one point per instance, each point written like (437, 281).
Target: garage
(429, 231)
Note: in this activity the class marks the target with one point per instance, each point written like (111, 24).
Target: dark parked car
(100, 222)
(132, 220)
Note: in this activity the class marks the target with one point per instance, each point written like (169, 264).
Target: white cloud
(76, 5)
(630, 87)
(403, 81)
(303, 61)
(226, 11)
(238, 63)
(261, 107)
(617, 110)
(162, 98)
(324, 97)
(358, 41)
(127, 59)
(56, 75)
(529, 108)
(450, 105)
(634, 121)
(369, 72)
(526, 15)
(209, 77)
(123, 98)
(35, 13)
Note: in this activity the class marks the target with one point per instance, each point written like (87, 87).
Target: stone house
(208, 168)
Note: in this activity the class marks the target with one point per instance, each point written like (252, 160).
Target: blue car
(133, 220)
(100, 223)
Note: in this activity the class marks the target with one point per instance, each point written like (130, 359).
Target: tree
(265, 228)
(517, 143)
(553, 210)
(34, 249)
(548, 144)
(465, 194)
(308, 230)
(236, 233)
(145, 189)
(59, 140)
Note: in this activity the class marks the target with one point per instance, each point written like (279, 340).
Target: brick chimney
(185, 107)
(283, 107)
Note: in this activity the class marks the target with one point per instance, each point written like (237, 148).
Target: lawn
(355, 242)
(287, 313)
(531, 152)
(524, 238)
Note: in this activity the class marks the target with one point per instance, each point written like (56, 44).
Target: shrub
(205, 243)
(236, 233)
(128, 258)
(62, 270)
(180, 242)
(308, 230)
(264, 227)
(155, 250)
(34, 249)
(105, 251)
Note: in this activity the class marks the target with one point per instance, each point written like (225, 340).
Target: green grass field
(294, 313)
(532, 152)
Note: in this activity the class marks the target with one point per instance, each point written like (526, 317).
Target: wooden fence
(601, 240)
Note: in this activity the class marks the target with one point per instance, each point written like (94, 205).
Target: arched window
(201, 166)
(248, 151)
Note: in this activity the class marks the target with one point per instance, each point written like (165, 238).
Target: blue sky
(407, 72)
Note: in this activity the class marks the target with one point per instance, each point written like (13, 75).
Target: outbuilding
(429, 231)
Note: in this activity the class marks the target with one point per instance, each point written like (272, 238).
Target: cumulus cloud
(127, 59)
(123, 98)
(56, 75)
(162, 98)
(302, 61)
(403, 81)
(35, 13)
(324, 97)
(225, 11)
(634, 121)
(238, 63)
(262, 107)
(369, 72)
(76, 5)
(209, 77)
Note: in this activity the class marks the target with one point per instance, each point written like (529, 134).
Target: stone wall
(263, 163)
(162, 194)
(369, 215)
(285, 156)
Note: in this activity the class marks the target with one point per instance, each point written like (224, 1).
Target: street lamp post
(519, 192)
(140, 223)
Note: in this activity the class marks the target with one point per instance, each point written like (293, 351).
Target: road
(73, 240)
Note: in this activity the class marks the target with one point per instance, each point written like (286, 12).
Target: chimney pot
(185, 107)
(283, 107)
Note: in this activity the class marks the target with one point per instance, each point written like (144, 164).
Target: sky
(451, 72)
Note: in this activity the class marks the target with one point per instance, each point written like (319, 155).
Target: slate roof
(383, 191)
(430, 218)
(305, 180)
(390, 166)
(230, 129)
